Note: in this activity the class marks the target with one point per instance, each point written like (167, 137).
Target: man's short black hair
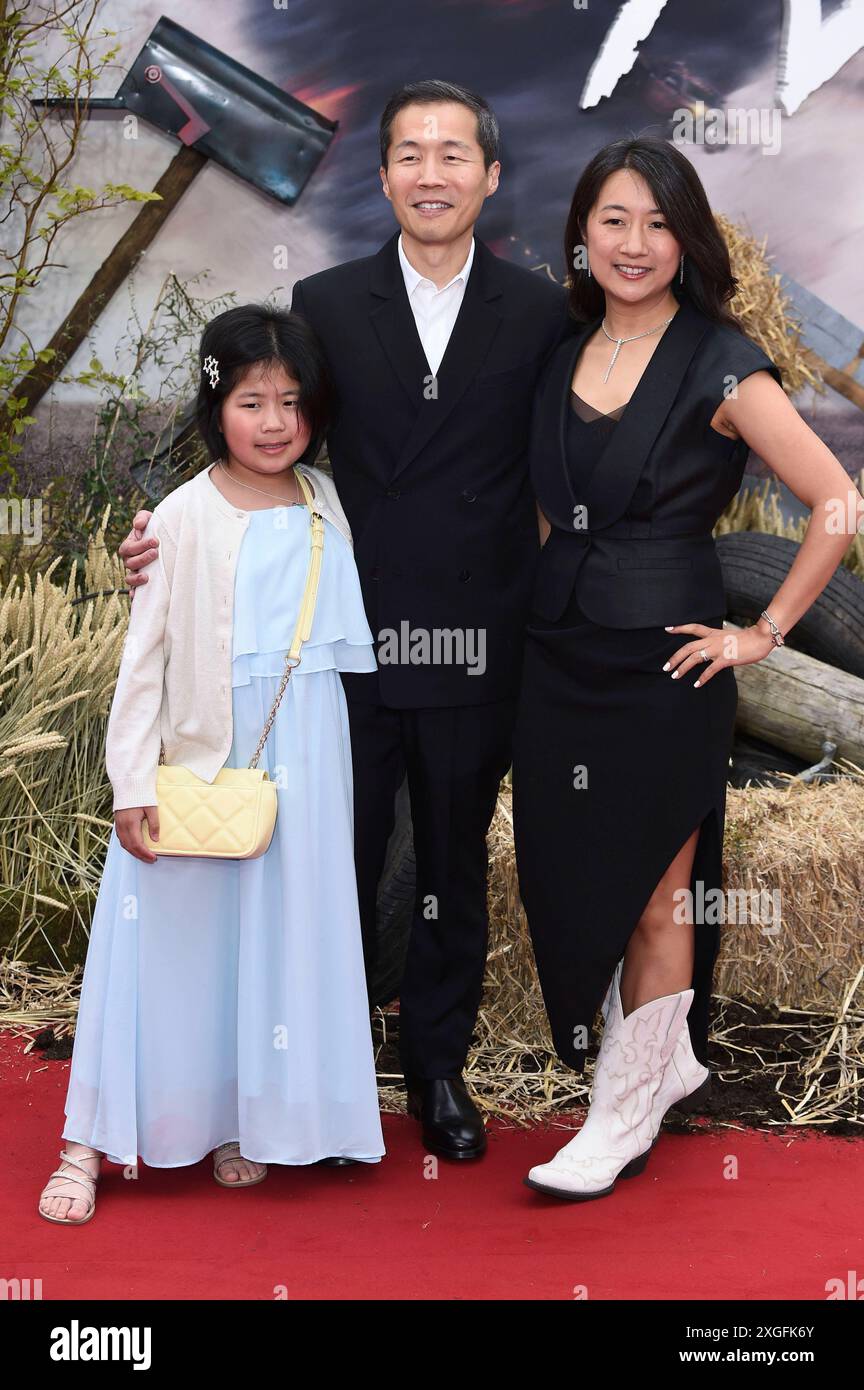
(253, 334)
(488, 135)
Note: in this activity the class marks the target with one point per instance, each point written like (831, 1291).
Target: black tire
(755, 763)
(754, 566)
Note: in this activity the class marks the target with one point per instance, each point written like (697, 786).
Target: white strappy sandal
(86, 1181)
(222, 1155)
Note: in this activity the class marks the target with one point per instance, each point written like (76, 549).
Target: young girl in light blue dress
(224, 1007)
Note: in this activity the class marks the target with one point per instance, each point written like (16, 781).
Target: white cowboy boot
(620, 1128)
(686, 1082)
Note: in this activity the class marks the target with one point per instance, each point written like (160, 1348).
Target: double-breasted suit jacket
(433, 474)
(637, 540)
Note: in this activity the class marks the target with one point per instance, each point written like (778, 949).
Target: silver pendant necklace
(619, 341)
(284, 500)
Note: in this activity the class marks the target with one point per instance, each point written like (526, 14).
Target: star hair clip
(211, 367)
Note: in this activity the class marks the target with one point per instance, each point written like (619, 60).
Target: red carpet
(790, 1220)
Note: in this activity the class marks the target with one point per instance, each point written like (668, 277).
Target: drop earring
(681, 272)
(589, 272)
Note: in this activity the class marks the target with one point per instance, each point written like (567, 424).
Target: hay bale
(765, 311)
(807, 842)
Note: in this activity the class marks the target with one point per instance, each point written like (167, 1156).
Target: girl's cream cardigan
(174, 680)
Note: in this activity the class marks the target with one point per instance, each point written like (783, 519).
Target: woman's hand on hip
(128, 824)
(718, 647)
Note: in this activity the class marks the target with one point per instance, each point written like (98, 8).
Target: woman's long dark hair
(249, 334)
(680, 196)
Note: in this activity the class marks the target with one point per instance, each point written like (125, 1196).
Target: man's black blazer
(433, 476)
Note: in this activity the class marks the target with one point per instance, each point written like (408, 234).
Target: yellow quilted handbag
(234, 816)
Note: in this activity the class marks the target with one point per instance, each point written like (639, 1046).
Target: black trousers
(455, 758)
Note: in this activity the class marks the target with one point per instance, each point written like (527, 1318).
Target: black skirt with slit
(615, 764)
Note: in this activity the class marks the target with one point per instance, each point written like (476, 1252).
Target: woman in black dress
(642, 428)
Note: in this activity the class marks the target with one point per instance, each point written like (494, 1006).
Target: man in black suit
(435, 345)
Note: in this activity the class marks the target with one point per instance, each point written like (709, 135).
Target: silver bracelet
(776, 634)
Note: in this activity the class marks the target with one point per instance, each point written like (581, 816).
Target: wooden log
(833, 345)
(796, 702)
(841, 381)
(184, 167)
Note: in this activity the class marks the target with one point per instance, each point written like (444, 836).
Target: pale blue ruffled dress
(226, 999)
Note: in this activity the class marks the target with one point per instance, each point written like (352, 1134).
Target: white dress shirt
(434, 310)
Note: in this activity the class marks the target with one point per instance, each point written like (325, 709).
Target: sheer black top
(588, 432)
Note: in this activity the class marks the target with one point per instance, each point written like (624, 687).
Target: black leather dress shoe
(336, 1162)
(452, 1126)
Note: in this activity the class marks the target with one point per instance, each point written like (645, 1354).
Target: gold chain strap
(286, 675)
